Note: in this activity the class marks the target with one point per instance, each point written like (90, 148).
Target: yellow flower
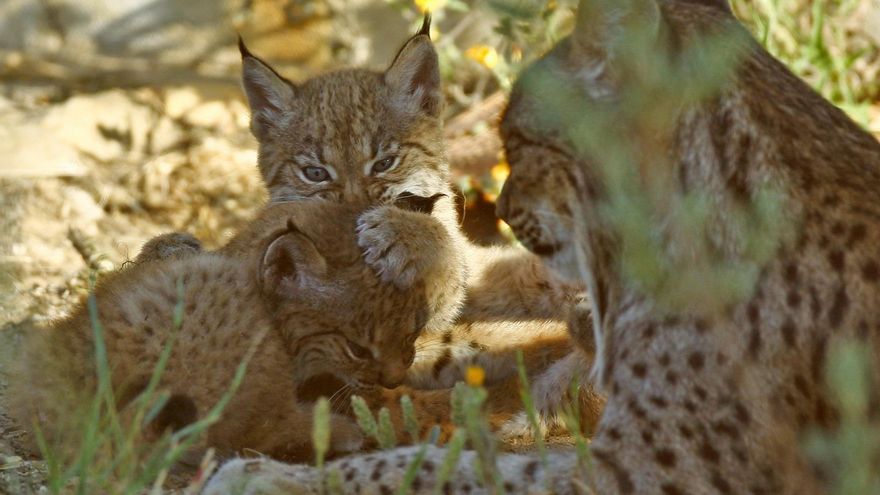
(485, 55)
(474, 376)
(500, 171)
(429, 5)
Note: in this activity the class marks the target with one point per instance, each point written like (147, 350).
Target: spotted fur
(295, 278)
(357, 135)
(718, 405)
(695, 405)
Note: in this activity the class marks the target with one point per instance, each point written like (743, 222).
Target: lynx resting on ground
(695, 406)
(296, 279)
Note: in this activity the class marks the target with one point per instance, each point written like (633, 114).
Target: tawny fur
(695, 406)
(297, 278)
(347, 122)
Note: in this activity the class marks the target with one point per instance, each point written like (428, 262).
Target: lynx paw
(395, 243)
(167, 246)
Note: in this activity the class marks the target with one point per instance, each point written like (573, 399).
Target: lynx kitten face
(353, 134)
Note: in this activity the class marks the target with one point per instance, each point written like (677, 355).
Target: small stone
(179, 101)
(213, 114)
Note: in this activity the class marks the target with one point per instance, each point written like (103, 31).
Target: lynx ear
(414, 76)
(290, 263)
(267, 92)
(601, 23)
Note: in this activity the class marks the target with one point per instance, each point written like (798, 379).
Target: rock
(111, 126)
(80, 208)
(166, 136)
(179, 101)
(211, 114)
(27, 151)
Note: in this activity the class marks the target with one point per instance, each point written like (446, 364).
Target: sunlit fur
(345, 123)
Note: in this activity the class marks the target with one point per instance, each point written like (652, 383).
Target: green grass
(108, 456)
(816, 40)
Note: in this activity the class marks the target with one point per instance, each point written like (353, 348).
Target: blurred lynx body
(695, 405)
(708, 404)
(297, 289)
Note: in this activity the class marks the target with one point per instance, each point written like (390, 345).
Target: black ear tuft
(426, 25)
(243, 49)
(420, 204)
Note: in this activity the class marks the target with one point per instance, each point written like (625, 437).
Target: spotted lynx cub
(695, 406)
(359, 135)
(296, 280)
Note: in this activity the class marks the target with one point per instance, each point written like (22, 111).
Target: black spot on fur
(788, 332)
(696, 361)
(721, 484)
(685, 431)
(639, 370)
(665, 458)
(793, 299)
(871, 271)
(614, 433)
(708, 453)
(658, 401)
(836, 259)
(670, 489)
(664, 359)
(624, 483)
(178, 412)
(741, 413)
(838, 307)
(856, 233)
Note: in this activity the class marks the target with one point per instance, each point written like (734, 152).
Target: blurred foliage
(110, 455)
(814, 38)
(820, 42)
(850, 452)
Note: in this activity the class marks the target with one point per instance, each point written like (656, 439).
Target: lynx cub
(297, 281)
(357, 135)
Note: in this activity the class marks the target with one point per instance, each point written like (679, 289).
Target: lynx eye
(358, 351)
(383, 165)
(316, 174)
